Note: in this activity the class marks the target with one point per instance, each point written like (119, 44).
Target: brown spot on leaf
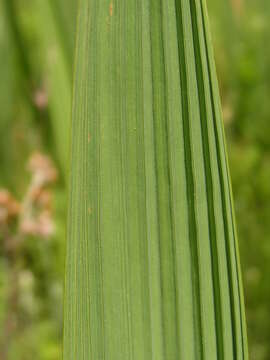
(89, 137)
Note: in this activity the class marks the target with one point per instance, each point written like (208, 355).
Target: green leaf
(56, 26)
(152, 267)
(7, 67)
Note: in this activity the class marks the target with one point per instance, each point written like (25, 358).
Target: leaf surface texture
(152, 266)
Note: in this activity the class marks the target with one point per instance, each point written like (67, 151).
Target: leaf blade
(153, 263)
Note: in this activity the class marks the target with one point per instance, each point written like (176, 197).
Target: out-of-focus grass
(241, 36)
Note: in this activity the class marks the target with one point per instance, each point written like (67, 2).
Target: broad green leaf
(152, 267)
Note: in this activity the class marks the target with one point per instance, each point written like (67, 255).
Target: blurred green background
(36, 57)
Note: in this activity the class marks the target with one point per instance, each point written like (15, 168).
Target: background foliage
(36, 55)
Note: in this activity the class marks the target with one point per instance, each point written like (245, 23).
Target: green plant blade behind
(56, 21)
(152, 266)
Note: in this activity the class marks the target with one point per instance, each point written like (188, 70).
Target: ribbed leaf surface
(152, 264)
